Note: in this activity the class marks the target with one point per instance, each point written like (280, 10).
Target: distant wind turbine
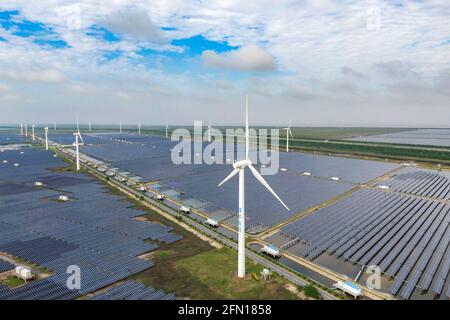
(46, 137)
(167, 130)
(120, 127)
(54, 126)
(90, 126)
(288, 133)
(32, 131)
(26, 130)
(209, 131)
(239, 167)
(139, 128)
(21, 129)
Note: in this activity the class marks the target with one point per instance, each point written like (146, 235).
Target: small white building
(271, 251)
(212, 222)
(350, 288)
(160, 197)
(63, 198)
(184, 209)
(24, 273)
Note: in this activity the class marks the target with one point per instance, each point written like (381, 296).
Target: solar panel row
(406, 236)
(94, 230)
(132, 290)
(421, 182)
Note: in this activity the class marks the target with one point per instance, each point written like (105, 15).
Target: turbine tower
(288, 133)
(32, 131)
(239, 167)
(46, 137)
(26, 130)
(90, 126)
(77, 144)
(209, 131)
(120, 127)
(54, 126)
(139, 128)
(167, 130)
(21, 129)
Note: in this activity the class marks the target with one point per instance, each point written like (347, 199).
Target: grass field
(194, 269)
(377, 150)
(338, 133)
(12, 282)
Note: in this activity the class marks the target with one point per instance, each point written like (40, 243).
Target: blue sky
(321, 62)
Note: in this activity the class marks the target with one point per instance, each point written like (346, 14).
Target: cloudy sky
(317, 62)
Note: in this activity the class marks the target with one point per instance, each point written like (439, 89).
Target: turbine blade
(290, 122)
(259, 177)
(231, 175)
(290, 132)
(81, 138)
(246, 128)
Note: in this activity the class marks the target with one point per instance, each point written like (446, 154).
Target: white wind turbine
(32, 131)
(46, 137)
(139, 128)
(21, 129)
(288, 133)
(120, 127)
(26, 130)
(90, 126)
(77, 144)
(209, 131)
(239, 167)
(167, 130)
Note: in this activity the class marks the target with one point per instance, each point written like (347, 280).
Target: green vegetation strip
(371, 150)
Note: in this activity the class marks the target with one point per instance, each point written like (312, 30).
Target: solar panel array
(94, 230)
(150, 157)
(433, 137)
(5, 266)
(132, 290)
(407, 237)
(421, 182)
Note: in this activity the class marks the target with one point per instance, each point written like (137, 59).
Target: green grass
(192, 268)
(374, 150)
(214, 274)
(310, 291)
(12, 282)
(338, 133)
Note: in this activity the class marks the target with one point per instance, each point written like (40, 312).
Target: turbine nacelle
(242, 164)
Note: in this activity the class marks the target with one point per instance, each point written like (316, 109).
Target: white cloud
(133, 25)
(247, 58)
(45, 76)
(323, 49)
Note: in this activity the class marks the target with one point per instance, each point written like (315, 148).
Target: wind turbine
(139, 128)
(239, 167)
(167, 130)
(209, 131)
(90, 126)
(26, 130)
(54, 126)
(77, 143)
(46, 137)
(21, 129)
(120, 127)
(32, 131)
(288, 133)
